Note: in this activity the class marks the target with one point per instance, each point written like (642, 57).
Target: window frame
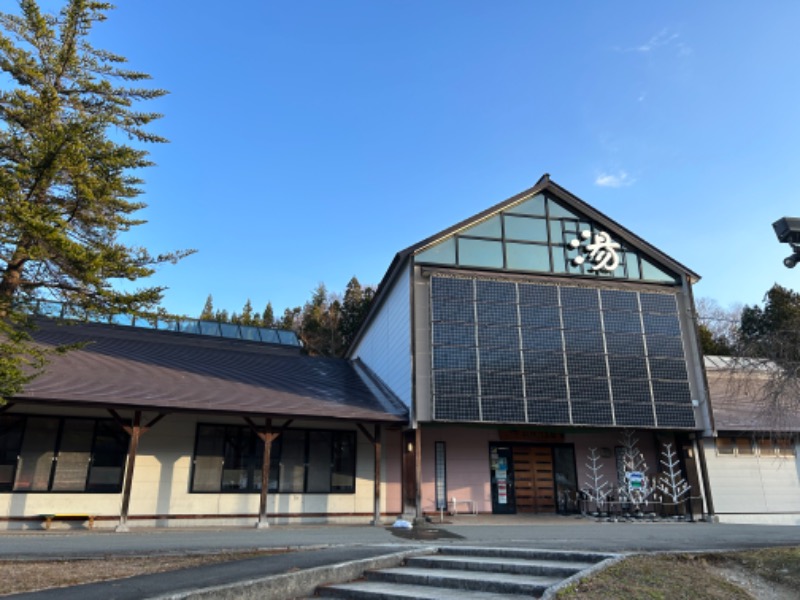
(56, 451)
(254, 471)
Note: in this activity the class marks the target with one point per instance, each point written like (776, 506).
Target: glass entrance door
(502, 466)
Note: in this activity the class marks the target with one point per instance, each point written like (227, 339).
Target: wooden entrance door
(533, 479)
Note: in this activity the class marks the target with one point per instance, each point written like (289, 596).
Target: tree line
(326, 324)
(763, 346)
(771, 331)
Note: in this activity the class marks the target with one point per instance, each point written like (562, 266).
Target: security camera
(787, 230)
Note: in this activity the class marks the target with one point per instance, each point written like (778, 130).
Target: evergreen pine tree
(268, 317)
(68, 188)
(208, 310)
(290, 319)
(246, 317)
(355, 306)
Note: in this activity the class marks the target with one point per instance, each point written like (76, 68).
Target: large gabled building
(496, 355)
(522, 337)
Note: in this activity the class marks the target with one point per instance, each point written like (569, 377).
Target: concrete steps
(466, 573)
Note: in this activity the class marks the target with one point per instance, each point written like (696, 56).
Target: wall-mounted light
(410, 447)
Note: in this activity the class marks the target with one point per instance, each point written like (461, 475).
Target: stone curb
(298, 584)
(551, 592)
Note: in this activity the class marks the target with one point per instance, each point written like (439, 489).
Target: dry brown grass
(769, 573)
(29, 575)
(772, 573)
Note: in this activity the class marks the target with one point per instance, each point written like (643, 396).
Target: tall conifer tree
(68, 188)
(268, 316)
(208, 309)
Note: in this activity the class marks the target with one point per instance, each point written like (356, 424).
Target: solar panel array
(513, 352)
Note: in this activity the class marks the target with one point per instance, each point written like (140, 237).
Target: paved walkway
(325, 545)
(540, 532)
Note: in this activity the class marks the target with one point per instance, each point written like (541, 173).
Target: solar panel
(538, 295)
(463, 312)
(543, 363)
(543, 388)
(557, 354)
(582, 298)
(497, 314)
(456, 408)
(498, 337)
(618, 300)
(632, 415)
(500, 359)
(539, 316)
(503, 409)
(499, 383)
(496, 291)
(587, 365)
(455, 383)
(550, 412)
(658, 303)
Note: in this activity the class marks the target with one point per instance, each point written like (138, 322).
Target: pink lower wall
(467, 453)
(467, 460)
(392, 472)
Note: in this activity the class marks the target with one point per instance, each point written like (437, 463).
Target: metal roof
(739, 391)
(161, 370)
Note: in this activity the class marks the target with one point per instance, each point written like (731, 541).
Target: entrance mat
(424, 533)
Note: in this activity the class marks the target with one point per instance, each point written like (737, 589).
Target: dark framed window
(441, 475)
(228, 458)
(61, 454)
(538, 235)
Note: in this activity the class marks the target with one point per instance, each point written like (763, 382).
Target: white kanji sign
(600, 250)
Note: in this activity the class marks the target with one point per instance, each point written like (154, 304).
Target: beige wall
(754, 488)
(162, 478)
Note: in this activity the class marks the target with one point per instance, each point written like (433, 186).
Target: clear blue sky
(312, 140)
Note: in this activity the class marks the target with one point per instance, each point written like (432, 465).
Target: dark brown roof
(544, 184)
(130, 367)
(737, 400)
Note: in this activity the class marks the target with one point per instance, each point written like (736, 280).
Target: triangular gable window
(542, 235)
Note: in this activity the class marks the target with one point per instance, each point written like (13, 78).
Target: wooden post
(266, 438)
(135, 431)
(376, 518)
(133, 446)
(420, 519)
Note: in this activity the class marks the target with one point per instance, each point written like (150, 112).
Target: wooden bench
(48, 519)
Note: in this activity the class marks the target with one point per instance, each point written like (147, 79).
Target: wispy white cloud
(662, 39)
(620, 179)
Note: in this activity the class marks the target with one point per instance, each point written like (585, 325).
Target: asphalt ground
(327, 545)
